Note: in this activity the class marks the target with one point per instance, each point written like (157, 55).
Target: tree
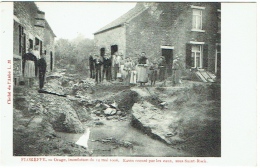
(73, 52)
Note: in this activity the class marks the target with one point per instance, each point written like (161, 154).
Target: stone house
(30, 29)
(190, 31)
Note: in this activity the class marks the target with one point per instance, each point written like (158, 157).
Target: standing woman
(127, 68)
(36, 52)
(133, 75)
(117, 66)
(29, 65)
(176, 75)
(142, 77)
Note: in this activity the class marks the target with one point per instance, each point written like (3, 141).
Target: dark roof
(139, 8)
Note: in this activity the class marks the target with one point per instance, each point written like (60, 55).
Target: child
(153, 73)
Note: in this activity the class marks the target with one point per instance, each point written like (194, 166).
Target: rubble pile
(109, 111)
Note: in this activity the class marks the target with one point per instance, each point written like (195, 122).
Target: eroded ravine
(166, 120)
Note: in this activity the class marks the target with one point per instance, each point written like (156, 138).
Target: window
(31, 43)
(197, 12)
(196, 55)
(37, 41)
(219, 21)
(197, 19)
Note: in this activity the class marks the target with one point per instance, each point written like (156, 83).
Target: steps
(204, 76)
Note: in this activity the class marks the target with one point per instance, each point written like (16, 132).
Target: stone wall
(24, 15)
(49, 47)
(165, 24)
(170, 24)
(112, 37)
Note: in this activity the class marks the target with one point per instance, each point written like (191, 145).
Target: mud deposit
(116, 120)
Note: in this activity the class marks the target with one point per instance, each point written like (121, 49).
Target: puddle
(143, 145)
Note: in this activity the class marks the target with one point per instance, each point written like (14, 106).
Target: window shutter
(205, 56)
(188, 56)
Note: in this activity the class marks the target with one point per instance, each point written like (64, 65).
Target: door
(102, 52)
(168, 55)
(114, 48)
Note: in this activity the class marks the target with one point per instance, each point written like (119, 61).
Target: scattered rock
(110, 117)
(114, 105)
(118, 112)
(110, 111)
(99, 123)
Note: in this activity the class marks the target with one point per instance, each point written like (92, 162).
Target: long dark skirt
(142, 76)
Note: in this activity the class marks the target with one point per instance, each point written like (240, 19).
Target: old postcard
(128, 84)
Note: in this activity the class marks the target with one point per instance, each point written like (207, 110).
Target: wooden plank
(200, 76)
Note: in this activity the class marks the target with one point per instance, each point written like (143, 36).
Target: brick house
(188, 30)
(30, 28)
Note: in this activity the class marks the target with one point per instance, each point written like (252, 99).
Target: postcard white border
(239, 116)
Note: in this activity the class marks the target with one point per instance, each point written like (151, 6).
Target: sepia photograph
(131, 79)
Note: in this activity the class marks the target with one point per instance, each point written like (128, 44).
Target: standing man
(116, 64)
(98, 64)
(162, 68)
(113, 74)
(91, 67)
(107, 67)
(42, 70)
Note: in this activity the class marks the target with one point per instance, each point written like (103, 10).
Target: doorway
(168, 55)
(114, 48)
(102, 52)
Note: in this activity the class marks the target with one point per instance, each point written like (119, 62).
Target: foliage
(73, 54)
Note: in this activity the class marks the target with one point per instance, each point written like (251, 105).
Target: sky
(69, 19)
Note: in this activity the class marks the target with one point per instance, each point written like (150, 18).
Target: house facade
(190, 31)
(30, 29)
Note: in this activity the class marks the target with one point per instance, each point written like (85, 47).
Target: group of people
(132, 71)
(33, 65)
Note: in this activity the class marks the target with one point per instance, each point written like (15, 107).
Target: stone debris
(116, 142)
(151, 122)
(110, 111)
(114, 105)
